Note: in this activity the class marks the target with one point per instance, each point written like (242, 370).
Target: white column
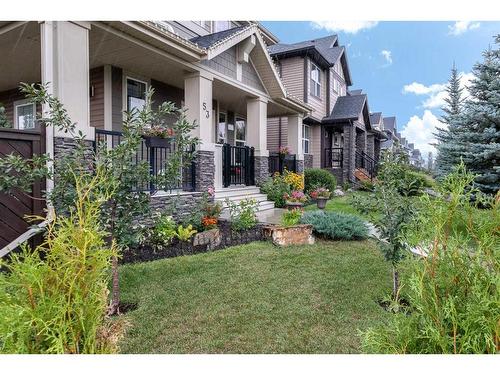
(198, 102)
(295, 135)
(257, 126)
(65, 67)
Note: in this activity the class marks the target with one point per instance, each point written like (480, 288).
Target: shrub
(185, 233)
(453, 291)
(53, 299)
(295, 180)
(164, 231)
(243, 214)
(315, 178)
(291, 217)
(366, 186)
(336, 226)
(275, 188)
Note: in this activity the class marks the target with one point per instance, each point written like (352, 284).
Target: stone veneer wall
(261, 169)
(300, 166)
(349, 153)
(180, 205)
(65, 146)
(370, 145)
(205, 170)
(308, 161)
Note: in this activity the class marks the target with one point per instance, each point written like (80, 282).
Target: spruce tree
(482, 121)
(449, 147)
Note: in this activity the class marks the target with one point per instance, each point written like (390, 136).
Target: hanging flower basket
(158, 142)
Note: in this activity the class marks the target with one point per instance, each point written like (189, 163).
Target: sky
(402, 66)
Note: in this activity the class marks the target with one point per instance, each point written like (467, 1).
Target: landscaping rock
(210, 237)
(286, 236)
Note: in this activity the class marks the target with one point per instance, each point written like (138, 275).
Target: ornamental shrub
(275, 188)
(336, 226)
(295, 180)
(243, 214)
(453, 291)
(291, 217)
(53, 299)
(316, 177)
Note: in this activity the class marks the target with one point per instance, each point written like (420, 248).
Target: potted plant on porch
(321, 195)
(295, 200)
(158, 136)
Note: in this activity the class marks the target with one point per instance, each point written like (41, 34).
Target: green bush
(336, 226)
(243, 214)
(275, 188)
(366, 186)
(291, 217)
(53, 299)
(163, 232)
(453, 295)
(315, 178)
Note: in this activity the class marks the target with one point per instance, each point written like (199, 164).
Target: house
(220, 71)
(337, 134)
(390, 130)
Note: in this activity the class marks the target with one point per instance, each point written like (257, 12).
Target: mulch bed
(228, 237)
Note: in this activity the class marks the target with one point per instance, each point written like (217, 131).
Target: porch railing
(278, 163)
(333, 157)
(156, 158)
(238, 163)
(364, 161)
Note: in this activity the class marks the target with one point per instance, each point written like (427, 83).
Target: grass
(341, 204)
(257, 298)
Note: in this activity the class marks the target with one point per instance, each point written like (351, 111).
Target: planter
(210, 237)
(292, 205)
(157, 142)
(321, 202)
(286, 236)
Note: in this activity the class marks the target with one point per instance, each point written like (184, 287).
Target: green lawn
(257, 298)
(341, 204)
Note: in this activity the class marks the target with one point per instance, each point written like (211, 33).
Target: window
(336, 86)
(241, 132)
(136, 94)
(306, 138)
(24, 116)
(337, 68)
(315, 81)
(221, 26)
(221, 129)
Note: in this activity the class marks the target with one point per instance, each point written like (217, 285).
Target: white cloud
(351, 27)
(387, 56)
(419, 130)
(435, 94)
(461, 27)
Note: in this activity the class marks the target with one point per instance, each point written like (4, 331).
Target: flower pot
(157, 142)
(292, 205)
(321, 202)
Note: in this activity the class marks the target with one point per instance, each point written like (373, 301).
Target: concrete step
(237, 194)
(239, 198)
(236, 191)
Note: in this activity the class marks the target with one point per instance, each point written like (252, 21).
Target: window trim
(317, 84)
(126, 77)
(23, 103)
(306, 140)
(217, 129)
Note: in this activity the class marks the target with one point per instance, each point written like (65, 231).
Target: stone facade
(204, 170)
(261, 169)
(349, 153)
(66, 146)
(308, 161)
(180, 206)
(370, 145)
(300, 166)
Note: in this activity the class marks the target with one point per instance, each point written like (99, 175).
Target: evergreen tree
(482, 120)
(449, 147)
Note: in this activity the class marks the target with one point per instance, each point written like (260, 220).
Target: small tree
(391, 208)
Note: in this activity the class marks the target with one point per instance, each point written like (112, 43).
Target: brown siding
(116, 98)
(316, 145)
(273, 139)
(318, 104)
(292, 75)
(166, 93)
(96, 77)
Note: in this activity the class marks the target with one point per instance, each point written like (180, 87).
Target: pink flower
(211, 191)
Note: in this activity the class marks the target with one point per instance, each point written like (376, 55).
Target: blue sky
(402, 66)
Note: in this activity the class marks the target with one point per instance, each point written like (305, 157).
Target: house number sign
(207, 112)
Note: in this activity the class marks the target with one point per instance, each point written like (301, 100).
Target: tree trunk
(114, 307)
(395, 282)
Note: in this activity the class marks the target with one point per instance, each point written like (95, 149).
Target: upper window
(207, 25)
(221, 26)
(24, 116)
(306, 138)
(221, 128)
(136, 94)
(241, 131)
(336, 86)
(338, 68)
(315, 81)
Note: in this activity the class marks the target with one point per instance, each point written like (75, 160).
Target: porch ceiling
(107, 48)
(20, 54)
(230, 97)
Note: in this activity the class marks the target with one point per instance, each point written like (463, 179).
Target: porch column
(370, 145)
(257, 137)
(348, 166)
(198, 102)
(295, 139)
(65, 68)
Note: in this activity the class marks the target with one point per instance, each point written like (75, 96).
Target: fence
(278, 163)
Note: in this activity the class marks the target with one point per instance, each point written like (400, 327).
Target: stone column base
(300, 166)
(204, 170)
(261, 169)
(308, 161)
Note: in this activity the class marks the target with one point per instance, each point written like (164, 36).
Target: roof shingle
(206, 41)
(347, 108)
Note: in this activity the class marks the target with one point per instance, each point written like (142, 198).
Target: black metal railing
(238, 163)
(364, 161)
(278, 163)
(156, 158)
(333, 157)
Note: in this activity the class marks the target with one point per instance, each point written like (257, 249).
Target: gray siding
(318, 104)
(250, 77)
(96, 77)
(224, 63)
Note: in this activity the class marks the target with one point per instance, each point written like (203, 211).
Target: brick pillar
(370, 145)
(361, 140)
